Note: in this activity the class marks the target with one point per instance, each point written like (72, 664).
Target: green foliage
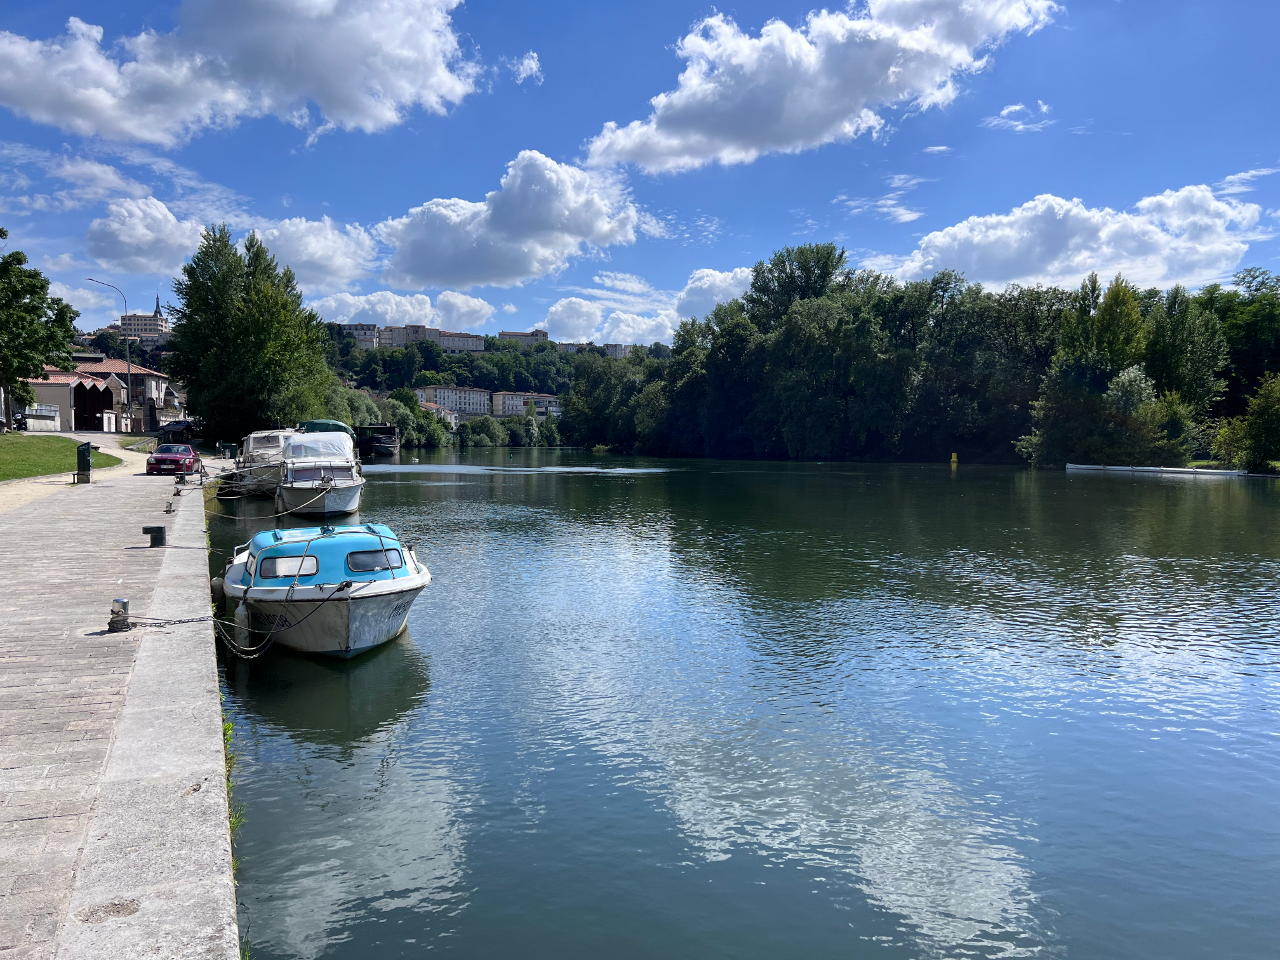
(1108, 326)
(1185, 349)
(409, 399)
(35, 329)
(1262, 426)
(249, 353)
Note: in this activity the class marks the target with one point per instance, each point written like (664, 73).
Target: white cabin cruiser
(321, 475)
(260, 466)
(336, 591)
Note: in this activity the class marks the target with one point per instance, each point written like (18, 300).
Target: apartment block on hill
(525, 339)
(465, 401)
(149, 329)
(507, 403)
(370, 336)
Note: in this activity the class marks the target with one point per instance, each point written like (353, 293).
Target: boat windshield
(288, 567)
(368, 561)
(319, 473)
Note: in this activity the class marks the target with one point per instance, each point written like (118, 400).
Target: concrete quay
(113, 808)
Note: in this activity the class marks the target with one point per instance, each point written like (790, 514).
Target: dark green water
(771, 710)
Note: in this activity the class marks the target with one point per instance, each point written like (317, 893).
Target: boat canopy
(325, 555)
(265, 441)
(326, 426)
(319, 446)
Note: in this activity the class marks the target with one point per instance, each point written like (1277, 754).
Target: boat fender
(218, 588)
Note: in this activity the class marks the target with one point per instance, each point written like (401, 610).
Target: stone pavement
(88, 785)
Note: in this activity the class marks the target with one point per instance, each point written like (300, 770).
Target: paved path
(69, 748)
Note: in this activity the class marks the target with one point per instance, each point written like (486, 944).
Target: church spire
(157, 313)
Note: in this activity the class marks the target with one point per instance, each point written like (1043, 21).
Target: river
(757, 710)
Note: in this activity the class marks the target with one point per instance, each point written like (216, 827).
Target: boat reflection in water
(347, 725)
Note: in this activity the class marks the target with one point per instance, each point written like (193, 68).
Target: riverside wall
(114, 836)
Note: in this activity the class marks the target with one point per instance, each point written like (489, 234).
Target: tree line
(819, 361)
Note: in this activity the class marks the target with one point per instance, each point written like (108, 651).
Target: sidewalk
(112, 799)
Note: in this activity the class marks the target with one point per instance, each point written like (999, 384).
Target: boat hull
(320, 499)
(260, 479)
(336, 628)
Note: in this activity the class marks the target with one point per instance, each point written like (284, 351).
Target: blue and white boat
(331, 590)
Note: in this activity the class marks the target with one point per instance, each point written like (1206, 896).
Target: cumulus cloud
(543, 214)
(361, 65)
(573, 320)
(142, 236)
(452, 310)
(706, 288)
(82, 299)
(325, 256)
(459, 312)
(624, 308)
(1179, 236)
(790, 89)
(526, 68)
(381, 307)
(1017, 117)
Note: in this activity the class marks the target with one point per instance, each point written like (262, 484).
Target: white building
(149, 329)
(461, 342)
(408, 335)
(620, 350)
(569, 347)
(467, 401)
(507, 403)
(366, 334)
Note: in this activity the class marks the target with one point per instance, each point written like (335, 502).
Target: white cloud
(1179, 236)
(362, 65)
(526, 68)
(93, 181)
(792, 89)
(706, 288)
(508, 308)
(624, 308)
(142, 236)
(1016, 116)
(937, 150)
(81, 298)
(544, 214)
(573, 320)
(381, 307)
(459, 312)
(325, 257)
(1242, 182)
(889, 206)
(452, 310)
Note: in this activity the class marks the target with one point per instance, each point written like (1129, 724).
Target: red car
(174, 458)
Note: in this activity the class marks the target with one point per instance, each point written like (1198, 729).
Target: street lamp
(128, 363)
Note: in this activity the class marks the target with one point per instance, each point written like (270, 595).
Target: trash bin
(84, 463)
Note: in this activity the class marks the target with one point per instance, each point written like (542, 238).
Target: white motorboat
(336, 591)
(321, 475)
(260, 466)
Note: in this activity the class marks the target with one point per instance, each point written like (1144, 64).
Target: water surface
(722, 709)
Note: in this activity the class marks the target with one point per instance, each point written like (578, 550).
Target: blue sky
(604, 169)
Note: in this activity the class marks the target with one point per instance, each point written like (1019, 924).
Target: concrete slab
(96, 774)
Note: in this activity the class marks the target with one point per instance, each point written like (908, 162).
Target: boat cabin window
(317, 473)
(288, 567)
(252, 564)
(368, 561)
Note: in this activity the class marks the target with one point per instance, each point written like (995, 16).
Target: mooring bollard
(156, 534)
(119, 621)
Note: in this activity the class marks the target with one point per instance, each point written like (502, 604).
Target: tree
(250, 355)
(792, 274)
(35, 329)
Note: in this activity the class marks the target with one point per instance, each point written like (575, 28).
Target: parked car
(174, 458)
(177, 431)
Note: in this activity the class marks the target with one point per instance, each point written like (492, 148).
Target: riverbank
(31, 455)
(113, 811)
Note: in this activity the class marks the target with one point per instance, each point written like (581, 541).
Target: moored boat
(378, 438)
(260, 465)
(336, 591)
(321, 475)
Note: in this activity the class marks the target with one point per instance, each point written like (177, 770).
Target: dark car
(174, 458)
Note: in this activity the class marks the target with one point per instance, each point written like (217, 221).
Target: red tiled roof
(54, 375)
(111, 365)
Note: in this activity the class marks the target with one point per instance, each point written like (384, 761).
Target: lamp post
(128, 363)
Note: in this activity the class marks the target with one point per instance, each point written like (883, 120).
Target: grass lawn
(31, 455)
